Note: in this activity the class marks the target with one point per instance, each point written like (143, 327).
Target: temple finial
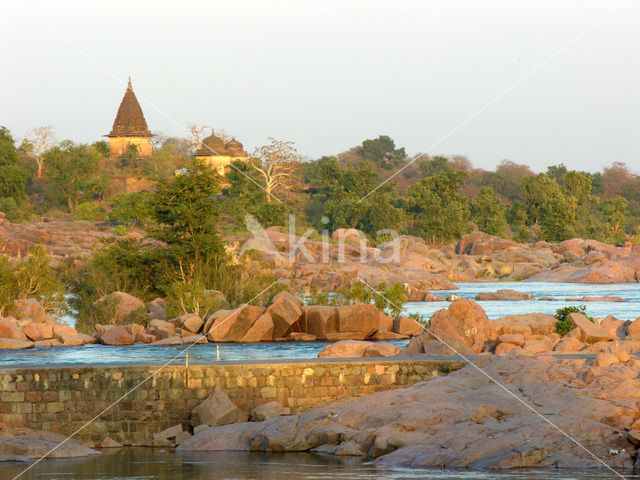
(129, 86)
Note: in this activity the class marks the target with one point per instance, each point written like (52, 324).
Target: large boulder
(191, 322)
(407, 326)
(463, 327)
(13, 344)
(268, 410)
(365, 318)
(320, 320)
(217, 409)
(358, 349)
(526, 324)
(233, 326)
(117, 336)
(123, 307)
(9, 329)
(589, 331)
(23, 444)
(31, 309)
(285, 313)
(38, 331)
(504, 294)
(157, 309)
(261, 330)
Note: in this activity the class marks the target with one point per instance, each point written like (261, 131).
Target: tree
(556, 172)
(383, 152)
(42, 139)
(441, 213)
(13, 176)
(557, 218)
(615, 212)
(196, 133)
(75, 174)
(488, 212)
(278, 165)
(538, 190)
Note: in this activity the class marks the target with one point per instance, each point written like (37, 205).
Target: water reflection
(161, 464)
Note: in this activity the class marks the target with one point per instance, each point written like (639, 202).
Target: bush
(563, 326)
(90, 211)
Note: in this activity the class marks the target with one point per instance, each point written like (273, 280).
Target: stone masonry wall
(64, 399)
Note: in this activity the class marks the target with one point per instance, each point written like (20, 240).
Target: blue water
(148, 355)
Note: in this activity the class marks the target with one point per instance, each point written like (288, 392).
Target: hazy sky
(329, 74)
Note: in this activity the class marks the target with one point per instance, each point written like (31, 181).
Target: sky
(537, 82)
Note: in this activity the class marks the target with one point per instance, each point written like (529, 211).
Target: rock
(30, 308)
(285, 313)
(74, 340)
(134, 329)
(504, 295)
(463, 327)
(122, 307)
(604, 360)
(157, 309)
(382, 336)
(156, 323)
(14, 344)
(216, 410)
(526, 324)
(23, 444)
(320, 320)
(261, 330)
(38, 331)
(289, 296)
(463, 420)
(540, 343)
(301, 337)
(569, 344)
(162, 333)
(514, 338)
(10, 330)
(358, 349)
(233, 326)
(168, 433)
(109, 442)
(117, 336)
(362, 318)
(51, 342)
(504, 348)
(407, 326)
(143, 337)
(199, 428)
(191, 322)
(590, 333)
(616, 328)
(168, 342)
(348, 235)
(634, 327)
(101, 329)
(596, 299)
(181, 437)
(61, 328)
(268, 410)
(194, 339)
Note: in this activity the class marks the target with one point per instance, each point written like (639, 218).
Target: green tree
(538, 190)
(557, 219)
(75, 174)
(383, 152)
(615, 213)
(13, 174)
(488, 212)
(441, 214)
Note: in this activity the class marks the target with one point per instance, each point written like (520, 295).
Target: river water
(152, 464)
(141, 354)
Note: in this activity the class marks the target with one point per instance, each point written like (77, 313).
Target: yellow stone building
(129, 127)
(218, 154)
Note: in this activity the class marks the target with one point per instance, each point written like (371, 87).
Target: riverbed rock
(157, 308)
(38, 331)
(30, 308)
(634, 327)
(117, 336)
(10, 330)
(14, 344)
(268, 410)
(407, 326)
(569, 344)
(463, 328)
(285, 313)
(465, 421)
(232, 326)
(217, 409)
(504, 294)
(590, 333)
(261, 330)
(320, 320)
(358, 349)
(122, 307)
(365, 319)
(191, 322)
(596, 299)
(526, 324)
(24, 444)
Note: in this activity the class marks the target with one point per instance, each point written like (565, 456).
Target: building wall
(118, 145)
(64, 399)
(220, 163)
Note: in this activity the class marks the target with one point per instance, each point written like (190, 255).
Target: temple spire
(129, 87)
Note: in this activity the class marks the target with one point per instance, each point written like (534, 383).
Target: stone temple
(218, 154)
(129, 127)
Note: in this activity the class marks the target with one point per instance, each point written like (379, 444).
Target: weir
(64, 399)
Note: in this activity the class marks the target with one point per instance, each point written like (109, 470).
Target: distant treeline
(435, 197)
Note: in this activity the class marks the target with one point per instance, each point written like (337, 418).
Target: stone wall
(65, 399)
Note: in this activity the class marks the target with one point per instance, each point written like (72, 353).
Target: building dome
(212, 145)
(235, 147)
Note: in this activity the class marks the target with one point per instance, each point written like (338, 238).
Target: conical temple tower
(129, 127)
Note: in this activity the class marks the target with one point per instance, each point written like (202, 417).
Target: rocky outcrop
(504, 294)
(463, 420)
(217, 409)
(24, 444)
(358, 349)
(121, 307)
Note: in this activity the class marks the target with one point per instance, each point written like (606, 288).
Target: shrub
(91, 211)
(563, 326)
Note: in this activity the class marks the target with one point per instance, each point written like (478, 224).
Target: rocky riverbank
(465, 420)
